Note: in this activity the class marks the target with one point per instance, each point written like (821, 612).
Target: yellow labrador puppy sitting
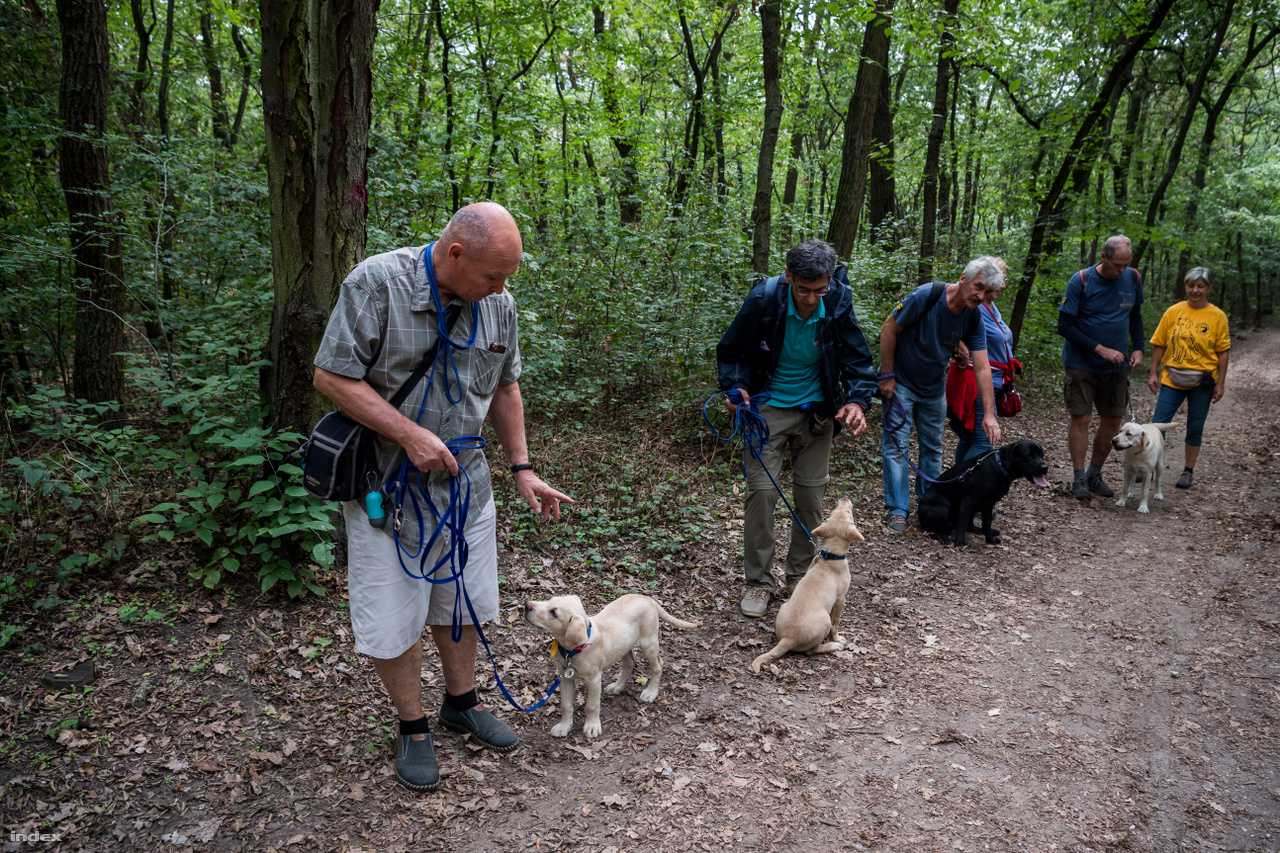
(810, 620)
(585, 646)
(1143, 446)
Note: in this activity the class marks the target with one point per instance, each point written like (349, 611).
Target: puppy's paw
(1143, 509)
(561, 729)
(616, 688)
(1158, 496)
(993, 539)
(649, 693)
(591, 728)
(1121, 502)
(838, 639)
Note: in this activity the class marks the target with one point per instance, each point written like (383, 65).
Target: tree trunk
(166, 56)
(246, 73)
(693, 128)
(628, 180)
(855, 153)
(1180, 138)
(317, 96)
(221, 122)
(933, 148)
(137, 102)
(811, 35)
(1048, 224)
(86, 185)
(762, 206)
(882, 196)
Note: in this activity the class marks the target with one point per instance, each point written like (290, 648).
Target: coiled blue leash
(753, 430)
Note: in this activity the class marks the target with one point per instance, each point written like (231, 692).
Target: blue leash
(754, 431)
(454, 517)
(892, 429)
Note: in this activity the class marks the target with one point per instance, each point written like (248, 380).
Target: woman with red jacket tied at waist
(964, 406)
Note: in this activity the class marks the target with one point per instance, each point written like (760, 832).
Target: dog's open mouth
(1039, 480)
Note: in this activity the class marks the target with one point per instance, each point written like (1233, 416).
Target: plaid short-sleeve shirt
(384, 321)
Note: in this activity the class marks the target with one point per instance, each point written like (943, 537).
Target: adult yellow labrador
(585, 646)
(1143, 446)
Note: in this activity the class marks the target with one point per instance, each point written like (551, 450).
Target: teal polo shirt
(796, 380)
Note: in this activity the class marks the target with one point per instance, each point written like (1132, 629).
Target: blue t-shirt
(795, 380)
(1102, 308)
(929, 338)
(999, 342)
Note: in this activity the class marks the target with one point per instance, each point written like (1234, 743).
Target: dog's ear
(576, 634)
(821, 530)
(853, 534)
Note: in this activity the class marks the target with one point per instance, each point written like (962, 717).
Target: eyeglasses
(804, 291)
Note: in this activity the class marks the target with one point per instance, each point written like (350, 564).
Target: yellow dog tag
(555, 648)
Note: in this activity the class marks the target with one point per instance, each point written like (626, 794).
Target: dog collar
(827, 555)
(995, 457)
(568, 655)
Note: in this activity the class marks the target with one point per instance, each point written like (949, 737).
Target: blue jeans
(975, 443)
(928, 415)
(1198, 401)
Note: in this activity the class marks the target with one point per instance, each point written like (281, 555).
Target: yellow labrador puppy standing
(1143, 446)
(810, 620)
(585, 646)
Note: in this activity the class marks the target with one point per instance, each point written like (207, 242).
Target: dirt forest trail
(1101, 681)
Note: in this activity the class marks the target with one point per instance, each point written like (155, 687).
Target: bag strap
(423, 366)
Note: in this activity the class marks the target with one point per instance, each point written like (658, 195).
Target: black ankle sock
(465, 702)
(415, 727)
(1186, 470)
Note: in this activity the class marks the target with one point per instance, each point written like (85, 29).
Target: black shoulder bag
(341, 453)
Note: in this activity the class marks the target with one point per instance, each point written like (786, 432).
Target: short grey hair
(812, 260)
(469, 227)
(1110, 247)
(1198, 274)
(995, 283)
(986, 267)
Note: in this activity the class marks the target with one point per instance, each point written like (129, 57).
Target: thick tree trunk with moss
(86, 184)
(317, 93)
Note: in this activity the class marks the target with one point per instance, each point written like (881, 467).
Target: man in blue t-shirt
(918, 339)
(797, 338)
(1102, 304)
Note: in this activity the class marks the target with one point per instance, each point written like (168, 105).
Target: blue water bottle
(373, 506)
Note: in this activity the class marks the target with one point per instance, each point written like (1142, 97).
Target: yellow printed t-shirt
(1192, 338)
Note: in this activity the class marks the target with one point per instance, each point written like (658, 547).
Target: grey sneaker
(1080, 489)
(416, 765)
(897, 524)
(480, 724)
(1184, 482)
(1098, 487)
(755, 601)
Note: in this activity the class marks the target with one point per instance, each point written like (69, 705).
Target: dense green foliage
(637, 220)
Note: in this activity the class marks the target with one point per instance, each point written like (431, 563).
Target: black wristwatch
(523, 466)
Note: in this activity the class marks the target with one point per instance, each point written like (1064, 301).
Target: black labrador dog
(977, 486)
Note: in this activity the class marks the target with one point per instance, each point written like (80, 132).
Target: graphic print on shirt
(1182, 340)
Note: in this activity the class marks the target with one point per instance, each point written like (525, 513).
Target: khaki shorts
(1083, 390)
(388, 608)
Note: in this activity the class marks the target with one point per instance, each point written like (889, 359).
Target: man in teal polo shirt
(796, 337)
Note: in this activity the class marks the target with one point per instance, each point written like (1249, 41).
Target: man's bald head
(478, 226)
(477, 252)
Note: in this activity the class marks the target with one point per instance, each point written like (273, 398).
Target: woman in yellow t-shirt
(1191, 344)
